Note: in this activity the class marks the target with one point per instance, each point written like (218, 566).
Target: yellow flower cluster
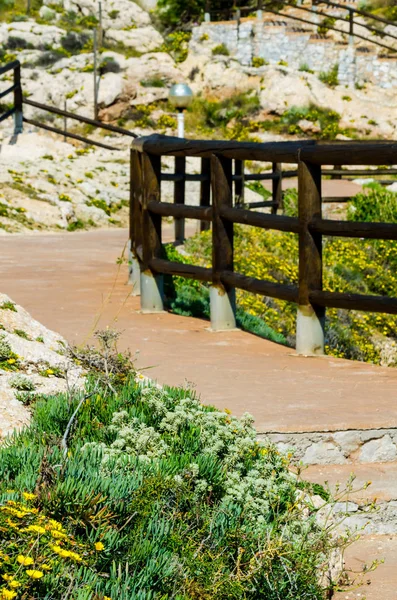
(32, 545)
(350, 265)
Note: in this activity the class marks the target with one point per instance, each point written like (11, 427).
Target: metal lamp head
(180, 95)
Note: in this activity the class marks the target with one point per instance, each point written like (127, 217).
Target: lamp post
(181, 96)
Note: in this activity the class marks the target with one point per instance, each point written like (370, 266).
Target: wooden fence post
(310, 318)
(277, 187)
(179, 196)
(205, 190)
(135, 222)
(222, 298)
(239, 183)
(18, 101)
(152, 286)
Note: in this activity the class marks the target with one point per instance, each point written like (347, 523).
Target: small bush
(166, 122)
(220, 50)
(21, 333)
(330, 77)
(304, 68)
(282, 63)
(22, 383)
(109, 65)
(155, 81)
(9, 361)
(8, 305)
(258, 61)
(176, 44)
(374, 204)
(73, 42)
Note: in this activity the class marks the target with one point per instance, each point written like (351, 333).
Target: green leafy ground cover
(350, 265)
(154, 496)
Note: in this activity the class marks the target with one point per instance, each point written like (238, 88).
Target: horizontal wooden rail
(73, 136)
(265, 221)
(8, 91)
(11, 66)
(359, 172)
(184, 177)
(259, 286)
(169, 267)
(7, 114)
(355, 302)
(355, 229)
(264, 204)
(86, 120)
(351, 154)
(181, 211)
(161, 145)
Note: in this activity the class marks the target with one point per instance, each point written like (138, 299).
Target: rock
(33, 34)
(110, 89)
(116, 14)
(323, 453)
(47, 13)
(380, 450)
(153, 64)
(309, 126)
(37, 361)
(144, 39)
(348, 441)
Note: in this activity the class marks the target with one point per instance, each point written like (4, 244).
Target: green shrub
(158, 496)
(258, 61)
(155, 81)
(350, 266)
(74, 42)
(304, 68)
(22, 383)
(221, 50)
(176, 44)
(374, 204)
(330, 77)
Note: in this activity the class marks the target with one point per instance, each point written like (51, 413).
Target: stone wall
(262, 39)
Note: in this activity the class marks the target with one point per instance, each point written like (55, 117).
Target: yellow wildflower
(25, 560)
(36, 529)
(99, 546)
(75, 556)
(55, 525)
(14, 584)
(7, 594)
(34, 574)
(28, 496)
(58, 534)
(46, 567)
(11, 361)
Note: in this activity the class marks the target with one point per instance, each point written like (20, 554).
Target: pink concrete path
(71, 282)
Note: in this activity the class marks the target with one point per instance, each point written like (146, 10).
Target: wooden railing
(20, 118)
(233, 10)
(149, 263)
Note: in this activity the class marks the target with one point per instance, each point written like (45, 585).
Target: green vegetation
(220, 50)
(155, 81)
(8, 305)
(21, 333)
(176, 44)
(128, 491)
(330, 77)
(9, 361)
(258, 61)
(350, 265)
(304, 68)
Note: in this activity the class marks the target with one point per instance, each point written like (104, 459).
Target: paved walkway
(71, 283)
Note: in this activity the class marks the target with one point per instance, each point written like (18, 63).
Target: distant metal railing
(235, 11)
